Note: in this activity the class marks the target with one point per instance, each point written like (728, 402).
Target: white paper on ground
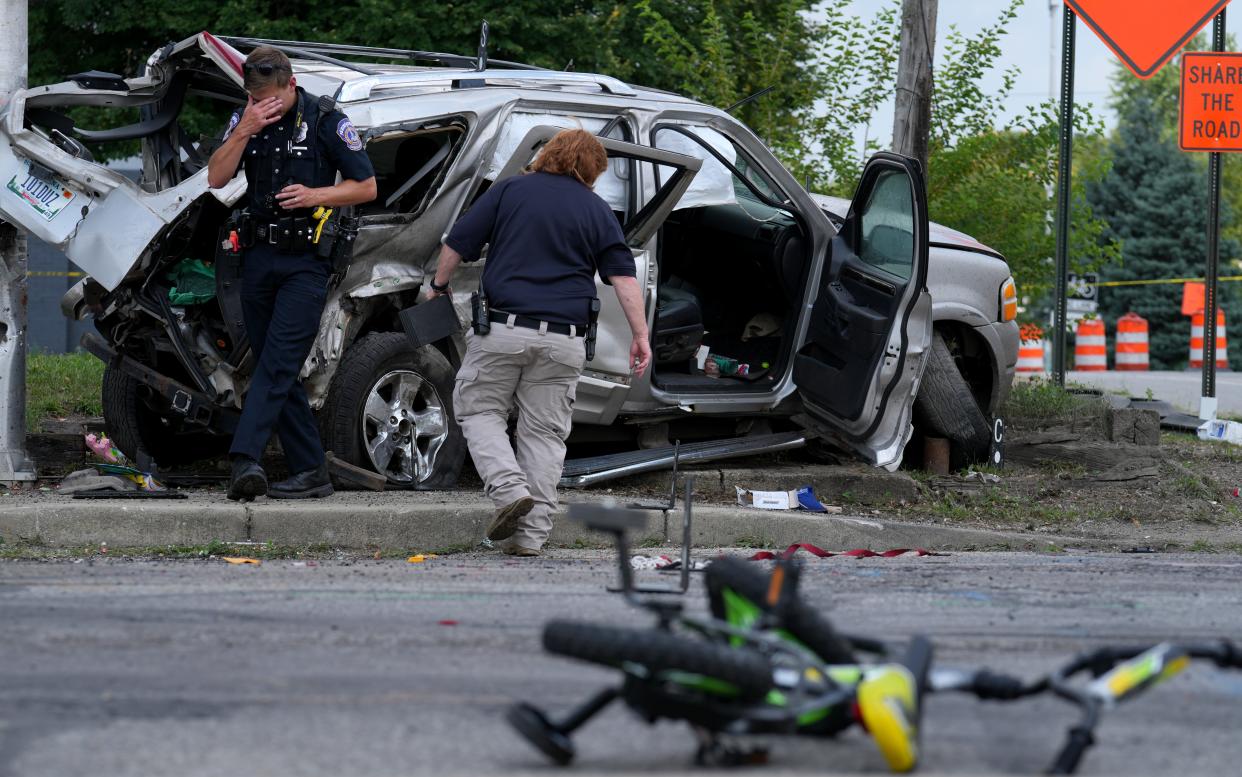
(767, 500)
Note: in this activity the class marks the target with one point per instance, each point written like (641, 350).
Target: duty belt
(526, 322)
(289, 234)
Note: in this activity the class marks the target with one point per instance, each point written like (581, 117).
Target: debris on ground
(766, 555)
(240, 560)
(1222, 431)
(91, 480)
(798, 499)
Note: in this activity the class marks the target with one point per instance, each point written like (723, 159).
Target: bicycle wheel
(747, 672)
(802, 621)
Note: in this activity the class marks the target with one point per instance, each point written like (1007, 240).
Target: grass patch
(59, 385)
(1039, 404)
(753, 543)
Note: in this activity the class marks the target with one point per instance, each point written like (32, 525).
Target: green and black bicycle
(765, 662)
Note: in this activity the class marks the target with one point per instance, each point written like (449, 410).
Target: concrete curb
(411, 524)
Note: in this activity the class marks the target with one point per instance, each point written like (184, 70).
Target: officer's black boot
(311, 484)
(248, 480)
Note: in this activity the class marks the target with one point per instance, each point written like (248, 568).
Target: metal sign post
(1064, 170)
(15, 465)
(1207, 399)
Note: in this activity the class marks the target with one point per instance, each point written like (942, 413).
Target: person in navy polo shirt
(547, 234)
(291, 144)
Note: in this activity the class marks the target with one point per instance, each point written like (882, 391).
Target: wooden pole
(912, 120)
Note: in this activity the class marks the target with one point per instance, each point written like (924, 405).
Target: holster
(336, 242)
(480, 313)
(245, 229)
(592, 329)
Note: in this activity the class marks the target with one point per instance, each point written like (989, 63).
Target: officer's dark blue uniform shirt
(311, 164)
(548, 236)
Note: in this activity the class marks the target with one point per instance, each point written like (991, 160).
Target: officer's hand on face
(258, 115)
(295, 195)
(640, 355)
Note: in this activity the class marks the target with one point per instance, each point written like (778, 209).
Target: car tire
(134, 426)
(418, 444)
(945, 407)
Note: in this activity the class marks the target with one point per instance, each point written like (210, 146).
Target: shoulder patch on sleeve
(232, 125)
(346, 132)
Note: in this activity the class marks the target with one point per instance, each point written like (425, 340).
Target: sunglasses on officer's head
(263, 68)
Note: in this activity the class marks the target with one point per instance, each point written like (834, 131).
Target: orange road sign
(1145, 34)
(1211, 101)
(1194, 298)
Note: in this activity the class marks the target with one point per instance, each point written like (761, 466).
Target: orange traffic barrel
(1133, 351)
(1196, 341)
(1031, 349)
(1090, 346)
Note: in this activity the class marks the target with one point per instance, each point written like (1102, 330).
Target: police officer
(548, 235)
(291, 144)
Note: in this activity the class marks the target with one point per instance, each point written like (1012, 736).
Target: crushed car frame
(837, 309)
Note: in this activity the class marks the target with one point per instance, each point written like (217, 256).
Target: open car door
(870, 322)
(51, 185)
(606, 379)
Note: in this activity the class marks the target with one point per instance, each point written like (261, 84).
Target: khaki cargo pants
(537, 373)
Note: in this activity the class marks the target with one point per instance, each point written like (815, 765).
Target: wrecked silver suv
(777, 317)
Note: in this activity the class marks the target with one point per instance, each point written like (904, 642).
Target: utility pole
(15, 465)
(1054, 47)
(912, 121)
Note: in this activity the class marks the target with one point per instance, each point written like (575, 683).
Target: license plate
(47, 195)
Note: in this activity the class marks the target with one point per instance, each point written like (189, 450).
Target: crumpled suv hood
(50, 186)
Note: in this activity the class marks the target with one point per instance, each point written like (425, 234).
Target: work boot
(311, 484)
(247, 480)
(507, 518)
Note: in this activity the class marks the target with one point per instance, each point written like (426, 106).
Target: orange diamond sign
(1145, 34)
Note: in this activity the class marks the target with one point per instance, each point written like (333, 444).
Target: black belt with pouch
(300, 235)
(287, 234)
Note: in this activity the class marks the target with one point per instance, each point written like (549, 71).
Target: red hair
(573, 152)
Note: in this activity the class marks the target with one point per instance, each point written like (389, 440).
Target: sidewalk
(436, 521)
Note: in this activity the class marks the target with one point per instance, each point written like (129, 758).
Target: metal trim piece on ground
(578, 473)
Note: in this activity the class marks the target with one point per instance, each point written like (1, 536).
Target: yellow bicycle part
(888, 701)
(321, 215)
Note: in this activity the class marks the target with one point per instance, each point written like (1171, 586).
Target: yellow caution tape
(1224, 279)
(55, 274)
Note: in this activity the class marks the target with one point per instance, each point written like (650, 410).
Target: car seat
(678, 325)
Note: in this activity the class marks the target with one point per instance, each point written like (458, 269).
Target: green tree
(1154, 202)
(994, 178)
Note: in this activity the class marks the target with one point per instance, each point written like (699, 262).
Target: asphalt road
(382, 668)
(1183, 389)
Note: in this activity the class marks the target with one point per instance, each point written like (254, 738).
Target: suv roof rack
(312, 48)
(360, 88)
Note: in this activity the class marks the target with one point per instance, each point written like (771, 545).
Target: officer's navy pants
(282, 299)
